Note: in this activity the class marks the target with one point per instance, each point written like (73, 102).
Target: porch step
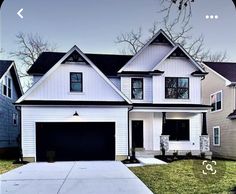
(150, 161)
(147, 154)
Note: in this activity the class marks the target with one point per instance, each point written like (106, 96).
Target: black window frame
(177, 88)
(174, 133)
(133, 79)
(81, 82)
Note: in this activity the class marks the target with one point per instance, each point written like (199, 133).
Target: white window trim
(2, 84)
(220, 91)
(216, 127)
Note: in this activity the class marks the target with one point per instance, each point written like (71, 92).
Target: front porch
(180, 130)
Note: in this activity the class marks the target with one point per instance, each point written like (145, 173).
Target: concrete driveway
(105, 177)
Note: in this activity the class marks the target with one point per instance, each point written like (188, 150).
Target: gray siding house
(10, 91)
(219, 90)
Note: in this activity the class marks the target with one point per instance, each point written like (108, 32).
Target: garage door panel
(76, 141)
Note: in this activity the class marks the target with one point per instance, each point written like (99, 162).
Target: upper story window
(7, 87)
(216, 101)
(76, 82)
(216, 136)
(137, 88)
(177, 87)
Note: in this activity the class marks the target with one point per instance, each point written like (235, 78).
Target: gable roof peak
(160, 32)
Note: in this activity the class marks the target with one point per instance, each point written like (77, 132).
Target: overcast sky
(93, 25)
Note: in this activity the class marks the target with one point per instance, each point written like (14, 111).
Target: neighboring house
(10, 91)
(98, 107)
(219, 90)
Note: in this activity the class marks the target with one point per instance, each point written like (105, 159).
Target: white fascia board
(185, 52)
(145, 46)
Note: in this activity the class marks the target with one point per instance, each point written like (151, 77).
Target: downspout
(131, 108)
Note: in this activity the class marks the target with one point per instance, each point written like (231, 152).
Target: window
(177, 88)
(15, 119)
(76, 82)
(216, 136)
(7, 87)
(178, 130)
(216, 101)
(137, 88)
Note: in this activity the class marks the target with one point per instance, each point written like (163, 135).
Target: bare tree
(30, 46)
(183, 6)
(180, 34)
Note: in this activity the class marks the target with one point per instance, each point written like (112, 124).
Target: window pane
(76, 77)
(5, 90)
(9, 83)
(76, 82)
(183, 83)
(183, 93)
(137, 83)
(216, 136)
(177, 129)
(137, 94)
(213, 105)
(137, 88)
(171, 82)
(219, 97)
(9, 92)
(171, 93)
(76, 87)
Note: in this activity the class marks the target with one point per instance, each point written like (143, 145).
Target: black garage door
(75, 141)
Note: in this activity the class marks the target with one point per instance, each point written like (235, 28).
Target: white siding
(153, 129)
(148, 59)
(36, 78)
(116, 82)
(147, 89)
(147, 128)
(31, 115)
(177, 67)
(57, 85)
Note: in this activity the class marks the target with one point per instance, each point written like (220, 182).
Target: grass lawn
(178, 178)
(6, 165)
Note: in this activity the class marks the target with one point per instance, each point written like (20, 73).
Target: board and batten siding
(147, 89)
(177, 67)
(152, 129)
(150, 57)
(115, 81)
(31, 115)
(57, 85)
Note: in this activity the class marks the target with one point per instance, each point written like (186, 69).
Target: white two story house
(98, 107)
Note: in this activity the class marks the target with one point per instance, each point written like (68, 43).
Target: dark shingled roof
(226, 69)
(4, 65)
(85, 103)
(109, 64)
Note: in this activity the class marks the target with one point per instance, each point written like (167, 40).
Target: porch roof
(167, 107)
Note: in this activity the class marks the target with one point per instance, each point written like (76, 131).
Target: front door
(137, 134)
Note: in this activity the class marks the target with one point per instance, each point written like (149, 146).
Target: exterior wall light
(75, 114)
